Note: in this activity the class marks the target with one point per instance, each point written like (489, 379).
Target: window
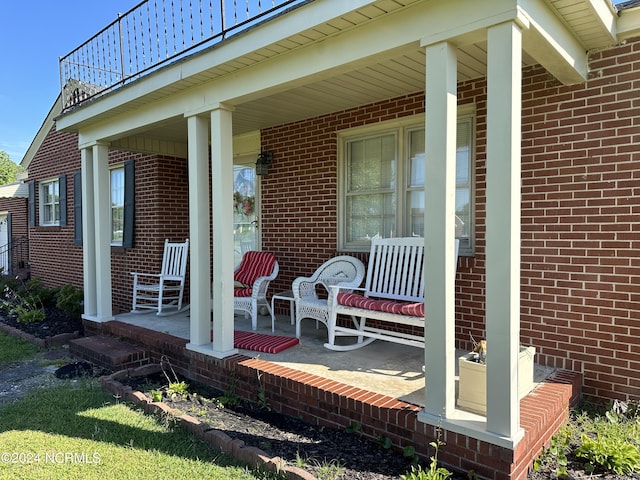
(50, 203)
(382, 184)
(122, 204)
(117, 205)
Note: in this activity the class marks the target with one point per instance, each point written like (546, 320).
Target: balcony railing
(151, 34)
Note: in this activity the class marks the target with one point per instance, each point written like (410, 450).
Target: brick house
(531, 159)
(14, 243)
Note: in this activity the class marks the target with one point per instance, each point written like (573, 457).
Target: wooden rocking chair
(163, 291)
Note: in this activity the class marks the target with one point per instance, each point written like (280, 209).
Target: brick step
(108, 352)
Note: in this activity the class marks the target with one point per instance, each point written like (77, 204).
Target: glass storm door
(245, 208)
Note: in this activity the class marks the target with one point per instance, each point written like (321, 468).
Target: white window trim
(404, 124)
(112, 168)
(41, 204)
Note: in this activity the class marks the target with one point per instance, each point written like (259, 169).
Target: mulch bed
(310, 447)
(54, 331)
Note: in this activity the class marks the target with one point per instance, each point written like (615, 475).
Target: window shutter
(62, 192)
(129, 204)
(32, 203)
(77, 208)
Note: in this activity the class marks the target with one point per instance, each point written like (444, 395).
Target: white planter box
(472, 384)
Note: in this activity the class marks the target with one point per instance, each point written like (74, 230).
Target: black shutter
(62, 198)
(32, 203)
(77, 208)
(129, 204)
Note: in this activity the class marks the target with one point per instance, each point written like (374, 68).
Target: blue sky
(35, 33)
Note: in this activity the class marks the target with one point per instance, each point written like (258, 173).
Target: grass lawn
(15, 349)
(78, 431)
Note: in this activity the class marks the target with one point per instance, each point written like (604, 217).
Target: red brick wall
(18, 208)
(54, 258)
(299, 196)
(161, 212)
(580, 222)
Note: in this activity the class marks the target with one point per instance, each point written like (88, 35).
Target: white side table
(286, 295)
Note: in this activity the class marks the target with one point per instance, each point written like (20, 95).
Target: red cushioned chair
(252, 277)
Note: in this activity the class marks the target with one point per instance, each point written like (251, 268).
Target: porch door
(4, 244)
(246, 226)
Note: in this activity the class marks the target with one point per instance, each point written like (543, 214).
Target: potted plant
(472, 382)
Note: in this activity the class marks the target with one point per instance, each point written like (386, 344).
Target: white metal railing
(153, 33)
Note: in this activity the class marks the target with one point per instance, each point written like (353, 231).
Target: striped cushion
(242, 292)
(253, 266)
(387, 306)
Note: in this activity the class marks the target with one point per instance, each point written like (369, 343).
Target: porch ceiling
(378, 74)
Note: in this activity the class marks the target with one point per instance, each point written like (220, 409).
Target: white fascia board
(316, 61)
(294, 22)
(628, 25)
(550, 42)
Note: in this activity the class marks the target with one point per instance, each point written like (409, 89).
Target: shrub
(70, 301)
(31, 316)
(34, 290)
(609, 454)
(604, 441)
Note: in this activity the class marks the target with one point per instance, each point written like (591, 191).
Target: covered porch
(318, 60)
(384, 368)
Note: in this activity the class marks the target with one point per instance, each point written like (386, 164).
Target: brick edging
(55, 341)
(217, 439)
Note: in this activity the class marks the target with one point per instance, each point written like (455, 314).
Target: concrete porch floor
(382, 367)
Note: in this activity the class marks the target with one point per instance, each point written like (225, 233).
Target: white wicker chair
(256, 271)
(343, 270)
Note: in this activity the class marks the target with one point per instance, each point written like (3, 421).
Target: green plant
(156, 395)
(384, 442)
(354, 428)
(434, 472)
(23, 302)
(35, 289)
(27, 315)
(69, 300)
(180, 389)
(556, 455)
(230, 398)
(263, 401)
(609, 454)
(300, 460)
(409, 452)
(175, 385)
(328, 470)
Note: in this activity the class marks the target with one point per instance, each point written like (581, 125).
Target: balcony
(152, 34)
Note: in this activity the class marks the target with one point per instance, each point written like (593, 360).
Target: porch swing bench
(391, 304)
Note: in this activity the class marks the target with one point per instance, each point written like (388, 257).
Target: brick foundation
(322, 401)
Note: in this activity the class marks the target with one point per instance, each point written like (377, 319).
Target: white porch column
(102, 224)
(88, 236)
(199, 233)
(440, 171)
(504, 104)
(222, 192)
